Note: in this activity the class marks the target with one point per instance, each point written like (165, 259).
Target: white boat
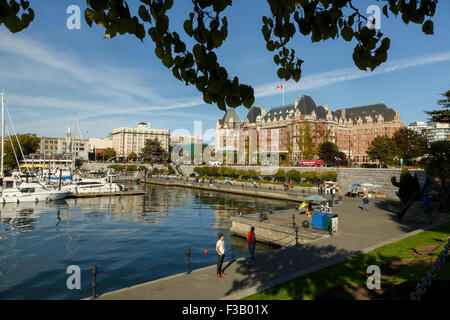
(94, 185)
(55, 174)
(15, 191)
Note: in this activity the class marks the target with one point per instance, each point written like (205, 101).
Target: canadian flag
(280, 86)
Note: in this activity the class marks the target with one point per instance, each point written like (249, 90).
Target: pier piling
(94, 282)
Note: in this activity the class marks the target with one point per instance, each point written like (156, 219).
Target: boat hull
(34, 197)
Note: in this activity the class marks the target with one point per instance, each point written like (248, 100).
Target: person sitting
(308, 210)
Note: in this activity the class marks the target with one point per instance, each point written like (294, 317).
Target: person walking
(220, 248)
(365, 201)
(251, 239)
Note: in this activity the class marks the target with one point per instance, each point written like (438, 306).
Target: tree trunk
(444, 195)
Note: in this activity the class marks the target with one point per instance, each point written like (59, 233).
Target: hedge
(308, 177)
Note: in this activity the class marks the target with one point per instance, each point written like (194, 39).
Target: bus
(310, 163)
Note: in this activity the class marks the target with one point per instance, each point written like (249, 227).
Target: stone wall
(346, 177)
(104, 165)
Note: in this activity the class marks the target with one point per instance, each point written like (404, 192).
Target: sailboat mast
(73, 143)
(3, 131)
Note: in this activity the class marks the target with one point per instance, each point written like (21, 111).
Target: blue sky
(50, 72)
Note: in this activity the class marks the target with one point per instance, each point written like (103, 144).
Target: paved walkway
(358, 232)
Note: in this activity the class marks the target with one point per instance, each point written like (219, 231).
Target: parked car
(215, 163)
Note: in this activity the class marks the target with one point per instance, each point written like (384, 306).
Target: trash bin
(334, 223)
(327, 221)
(317, 220)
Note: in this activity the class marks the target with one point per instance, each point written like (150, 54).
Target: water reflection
(124, 236)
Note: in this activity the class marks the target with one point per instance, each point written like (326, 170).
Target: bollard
(94, 282)
(293, 220)
(188, 253)
(296, 236)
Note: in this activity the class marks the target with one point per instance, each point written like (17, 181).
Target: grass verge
(353, 271)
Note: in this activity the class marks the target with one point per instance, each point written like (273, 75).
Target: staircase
(416, 213)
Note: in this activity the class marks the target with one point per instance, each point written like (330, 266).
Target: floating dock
(107, 194)
(278, 229)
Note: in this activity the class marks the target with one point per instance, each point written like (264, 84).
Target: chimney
(296, 102)
(263, 111)
(325, 106)
(343, 114)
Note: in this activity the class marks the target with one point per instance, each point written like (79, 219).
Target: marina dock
(278, 229)
(107, 194)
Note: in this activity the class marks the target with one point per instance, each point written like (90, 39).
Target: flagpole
(283, 95)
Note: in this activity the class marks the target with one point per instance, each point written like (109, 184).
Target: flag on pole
(282, 88)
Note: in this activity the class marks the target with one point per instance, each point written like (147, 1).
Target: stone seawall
(264, 191)
(346, 176)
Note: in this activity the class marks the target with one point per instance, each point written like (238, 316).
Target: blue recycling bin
(317, 220)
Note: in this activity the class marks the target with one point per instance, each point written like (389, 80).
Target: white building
(126, 139)
(437, 131)
(100, 143)
(433, 131)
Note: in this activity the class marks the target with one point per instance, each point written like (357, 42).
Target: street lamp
(336, 160)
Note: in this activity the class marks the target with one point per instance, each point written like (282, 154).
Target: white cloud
(320, 80)
(105, 91)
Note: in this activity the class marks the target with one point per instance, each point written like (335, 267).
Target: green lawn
(353, 271)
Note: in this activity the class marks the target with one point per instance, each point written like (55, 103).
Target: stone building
(126, 139)
(295, 132)
(357, 127)
(63, 147)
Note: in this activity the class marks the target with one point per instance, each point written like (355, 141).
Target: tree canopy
(383, 149)
(442, 115)
(132, 156)
(329, 153)
(410, 144)
(29, 144)
(153, 152)
(107, 154)
(207, 26)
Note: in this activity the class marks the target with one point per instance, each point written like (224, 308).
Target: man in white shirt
(220, 248)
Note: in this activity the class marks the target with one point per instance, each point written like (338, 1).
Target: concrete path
(358, 232)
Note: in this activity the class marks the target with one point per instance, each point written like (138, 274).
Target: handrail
(412, 199)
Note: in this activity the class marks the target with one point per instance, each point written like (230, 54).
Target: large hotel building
(126, 140)
(288, 129)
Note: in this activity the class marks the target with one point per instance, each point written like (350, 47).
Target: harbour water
(131, 239)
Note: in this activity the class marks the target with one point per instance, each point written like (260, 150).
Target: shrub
(311, 176)
(293, 175)
(329, 176)
(408, 185)
(280, 175)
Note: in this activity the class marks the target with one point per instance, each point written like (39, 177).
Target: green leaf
(347, 33)
(89, 16)
(143, 13)
(167, 60)
(188, 28)
(427, 27)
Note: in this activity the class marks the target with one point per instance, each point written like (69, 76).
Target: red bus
(311, 163)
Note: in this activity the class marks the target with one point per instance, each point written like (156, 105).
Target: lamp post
(336, 160)
(349, 150)
(395, 159)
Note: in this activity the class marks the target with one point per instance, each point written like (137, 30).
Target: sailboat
(14, 189)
